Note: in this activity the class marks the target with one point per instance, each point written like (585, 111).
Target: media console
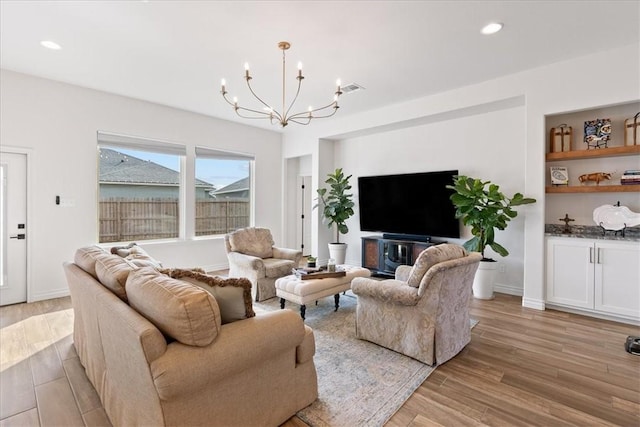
(383, 255)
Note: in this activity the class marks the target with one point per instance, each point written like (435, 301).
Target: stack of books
(630, 177)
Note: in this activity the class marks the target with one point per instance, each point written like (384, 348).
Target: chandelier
(284, 116)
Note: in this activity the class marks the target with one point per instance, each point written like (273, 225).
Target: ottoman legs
(303, 308)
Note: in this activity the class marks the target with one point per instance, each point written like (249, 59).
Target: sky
(217, 172)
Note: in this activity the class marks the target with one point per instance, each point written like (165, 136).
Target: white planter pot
(338, 251)
(484, 279)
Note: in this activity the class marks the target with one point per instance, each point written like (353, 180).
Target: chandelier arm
(296, 121)
(334, 105)
(275, 113)
(294, 98)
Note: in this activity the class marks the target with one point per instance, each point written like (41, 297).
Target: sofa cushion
(252, 241)
(232, 295)
(179, 309)
(112, 272)
(85, 258)
(432, 256)
(275, 268)
(136, 255)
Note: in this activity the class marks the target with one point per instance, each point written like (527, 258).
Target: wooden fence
(124, 220)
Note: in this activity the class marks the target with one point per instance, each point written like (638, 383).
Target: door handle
(19, 237)
(590, 255)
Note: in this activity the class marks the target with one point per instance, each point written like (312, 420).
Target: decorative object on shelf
(560, 138)
(485, 208)
(594, 176)
(597, 133)
(311, 261)
(630, 177)
(282, 117)
(337, 208)
(632, 130)
(615, 218)
(559, 175)
(331, 265)
(566, 220)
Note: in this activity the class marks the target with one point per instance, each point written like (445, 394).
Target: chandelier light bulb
(223, 82)
(246, 66)
(299, 65)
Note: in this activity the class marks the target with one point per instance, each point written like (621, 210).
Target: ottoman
(291, 288)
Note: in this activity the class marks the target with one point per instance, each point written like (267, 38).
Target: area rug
(359, 383)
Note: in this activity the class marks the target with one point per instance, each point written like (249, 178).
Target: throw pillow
(113, 271)
(232, 295)
(136, 255)
(432, 256)
(178, 309)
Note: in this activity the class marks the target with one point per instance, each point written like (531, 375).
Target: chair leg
(303, 309)
(336, 297)
(282, 302)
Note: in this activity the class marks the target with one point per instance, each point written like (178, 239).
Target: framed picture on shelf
(559, 175)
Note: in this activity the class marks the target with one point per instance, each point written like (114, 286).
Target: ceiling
(175, 52)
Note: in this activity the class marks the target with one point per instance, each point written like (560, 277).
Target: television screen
(415, 204)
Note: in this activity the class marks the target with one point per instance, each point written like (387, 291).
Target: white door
(13, 231)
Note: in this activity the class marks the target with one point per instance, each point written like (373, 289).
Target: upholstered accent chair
(252, 254)
(424, 312)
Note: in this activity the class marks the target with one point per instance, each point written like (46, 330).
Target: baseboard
(49, 295)
(506, 289)
(590, 313)
(536, 304)
(215, 267)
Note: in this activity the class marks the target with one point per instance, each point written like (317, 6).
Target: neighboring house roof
(118, 168)
(234, 187)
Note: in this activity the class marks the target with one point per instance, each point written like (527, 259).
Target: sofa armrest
(306, 350)
(285, 253)
(184, 369)
(390, 290)
(402, 272)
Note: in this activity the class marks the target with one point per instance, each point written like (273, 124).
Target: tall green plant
(482, 206)
(337, 204)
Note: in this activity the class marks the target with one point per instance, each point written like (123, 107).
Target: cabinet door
(570, 272)
(617, 278)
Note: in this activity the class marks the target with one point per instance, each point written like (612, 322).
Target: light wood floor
(522, 367)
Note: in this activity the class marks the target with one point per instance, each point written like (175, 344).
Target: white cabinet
(602, 276)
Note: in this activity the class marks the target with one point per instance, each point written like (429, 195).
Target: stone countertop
(631, 234)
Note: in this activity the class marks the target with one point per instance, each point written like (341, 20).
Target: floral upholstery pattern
(430, 257)
(252, 254)
(429, 323)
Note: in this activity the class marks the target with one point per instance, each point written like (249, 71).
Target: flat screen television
(415, 204)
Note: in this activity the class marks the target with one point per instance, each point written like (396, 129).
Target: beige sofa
(172, 361)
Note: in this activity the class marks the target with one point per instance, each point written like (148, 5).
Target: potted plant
(337, 208)
(485, 208)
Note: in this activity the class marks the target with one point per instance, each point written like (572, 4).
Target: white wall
(59, 123)
(565, 86)
(445, 145)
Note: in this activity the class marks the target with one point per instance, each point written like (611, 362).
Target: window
(139, 188)
(223, 191)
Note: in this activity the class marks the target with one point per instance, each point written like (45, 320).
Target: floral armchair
(252, 254)
(424, 312)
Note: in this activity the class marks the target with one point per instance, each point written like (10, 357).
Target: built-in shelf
(629, 150)
(594, 189)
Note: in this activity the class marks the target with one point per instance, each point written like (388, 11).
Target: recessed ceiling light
(491, 28)
(50, 45)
